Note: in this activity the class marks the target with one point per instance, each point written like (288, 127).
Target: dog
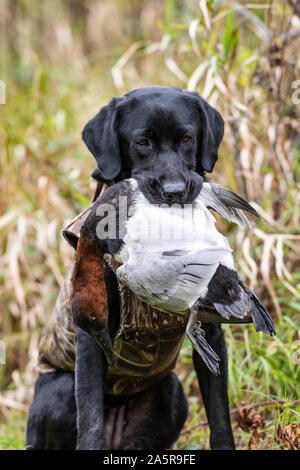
(166, 138)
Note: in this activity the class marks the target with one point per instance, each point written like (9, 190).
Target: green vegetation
(12, 432)
(61, 62)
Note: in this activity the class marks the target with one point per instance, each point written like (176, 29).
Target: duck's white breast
(170, 253)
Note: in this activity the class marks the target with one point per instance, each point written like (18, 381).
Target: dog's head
(164, 137)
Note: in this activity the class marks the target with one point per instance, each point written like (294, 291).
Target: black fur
(214, 390)
(101, 137)
(153, 418)
(165, 138)
(52, 415)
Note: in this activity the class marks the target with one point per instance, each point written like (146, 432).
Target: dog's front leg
(214, 390)
(90, 369)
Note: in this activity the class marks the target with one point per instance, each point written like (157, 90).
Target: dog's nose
(174, 188)
(174, 191)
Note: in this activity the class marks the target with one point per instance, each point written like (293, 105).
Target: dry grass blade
(204, 9)
(117, 73)
(265, 271)
(13, 253)
(254, 270)
(173, 67)
(11, 403)
(281, 269)
(193, 35)
(196, 76)
(7, 218)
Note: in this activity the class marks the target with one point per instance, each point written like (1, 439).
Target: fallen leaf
(250, 421)
(289, 436)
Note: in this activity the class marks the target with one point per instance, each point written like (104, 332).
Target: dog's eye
(186, 138)
(143, 142)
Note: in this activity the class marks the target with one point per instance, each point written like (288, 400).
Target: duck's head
(89, 300)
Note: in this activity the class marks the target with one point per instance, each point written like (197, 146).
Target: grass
(12, 433)
(58, 72)
(260, 369)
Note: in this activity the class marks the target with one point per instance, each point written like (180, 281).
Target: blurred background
(60, 62)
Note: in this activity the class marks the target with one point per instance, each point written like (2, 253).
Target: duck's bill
(103, 340)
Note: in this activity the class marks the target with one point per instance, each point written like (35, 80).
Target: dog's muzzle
(162, 190)
(174, 192)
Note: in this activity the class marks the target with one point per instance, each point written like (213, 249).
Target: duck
(174, 258)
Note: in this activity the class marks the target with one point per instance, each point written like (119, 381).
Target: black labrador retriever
(167, 138)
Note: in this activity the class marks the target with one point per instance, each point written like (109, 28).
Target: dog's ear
(212, 131)
(71, 238)
(101, 137)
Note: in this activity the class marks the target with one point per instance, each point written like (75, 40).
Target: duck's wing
(172, 280)
(197, 337)
(225, 294)
(193, 270)
(226, 203)
(260, 316)
(229, 300)
(208, 313)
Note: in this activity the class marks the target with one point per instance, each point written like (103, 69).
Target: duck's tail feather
(208, 313)
(233, 200)
(197, 337)
(226, 203)
(236, 309)
(261, 318)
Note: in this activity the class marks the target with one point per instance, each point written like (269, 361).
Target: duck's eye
(143, 142)
(92, 317)
(186, 138)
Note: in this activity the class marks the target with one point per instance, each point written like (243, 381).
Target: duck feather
(227, 204)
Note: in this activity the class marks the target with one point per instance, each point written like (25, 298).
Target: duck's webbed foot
(197, 337)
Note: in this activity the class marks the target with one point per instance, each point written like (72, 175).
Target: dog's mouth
(170, 192)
